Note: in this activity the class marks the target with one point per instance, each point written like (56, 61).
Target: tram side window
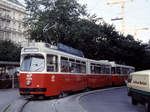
(113, 71)
(72, 66)
(78, 66)
(83, 67)
(103, 69)
(107, 70)
(95, 68)
(64, 64)
(92, 69)
(118, 70)
(131, 70)
(125, 71)
(52, 63)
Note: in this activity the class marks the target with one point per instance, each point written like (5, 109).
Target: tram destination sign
(69, 50)
(31, 49)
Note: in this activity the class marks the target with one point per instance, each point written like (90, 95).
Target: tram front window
(32, 63)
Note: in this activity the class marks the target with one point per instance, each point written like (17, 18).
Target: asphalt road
(115, 100)
(111, 100)
(7, 96)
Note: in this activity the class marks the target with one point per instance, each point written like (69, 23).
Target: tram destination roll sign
(70, 50)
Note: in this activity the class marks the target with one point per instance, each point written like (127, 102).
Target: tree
(9, 51)
(43, 12)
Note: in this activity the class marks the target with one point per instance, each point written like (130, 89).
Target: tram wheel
(62, 95)
(87, 89)
(134, 102)
(147, 107)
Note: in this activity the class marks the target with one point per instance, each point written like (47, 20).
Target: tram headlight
(28, 83)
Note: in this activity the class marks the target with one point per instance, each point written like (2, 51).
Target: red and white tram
(120, 73)
(47, 71)
(99, 74)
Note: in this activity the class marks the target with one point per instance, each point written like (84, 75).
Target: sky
(137, 13)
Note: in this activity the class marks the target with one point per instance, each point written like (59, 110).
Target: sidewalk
(7, 96)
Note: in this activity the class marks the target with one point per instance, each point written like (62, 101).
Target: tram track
(32, 99)
(23, 106)
(54, 106)
(27, 99)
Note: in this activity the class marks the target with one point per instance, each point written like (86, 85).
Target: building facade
(12, 15)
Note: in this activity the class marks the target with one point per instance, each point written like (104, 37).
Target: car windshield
(32, 63)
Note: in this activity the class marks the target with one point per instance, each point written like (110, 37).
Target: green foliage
(76, 28)
(62, 12)
(9, 51)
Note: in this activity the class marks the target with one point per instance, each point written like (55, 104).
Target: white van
(139, 88)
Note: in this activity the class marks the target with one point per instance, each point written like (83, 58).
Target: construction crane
(122, 2)
(137, 29)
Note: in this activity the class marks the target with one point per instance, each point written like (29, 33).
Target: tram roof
(105, 62)
(113, 64)
(49, 49)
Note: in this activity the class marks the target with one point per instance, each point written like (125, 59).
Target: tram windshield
(32, 63)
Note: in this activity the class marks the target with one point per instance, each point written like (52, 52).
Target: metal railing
(11, 82)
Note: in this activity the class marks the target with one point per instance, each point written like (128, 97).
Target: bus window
(64, 64)
(52, 65)
(32, 63)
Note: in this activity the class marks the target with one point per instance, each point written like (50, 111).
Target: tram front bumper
(29, 91)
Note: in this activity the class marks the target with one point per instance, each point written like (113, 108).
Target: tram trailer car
(99, 74)
(47, 71)
(139, 88)
(120, 73)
